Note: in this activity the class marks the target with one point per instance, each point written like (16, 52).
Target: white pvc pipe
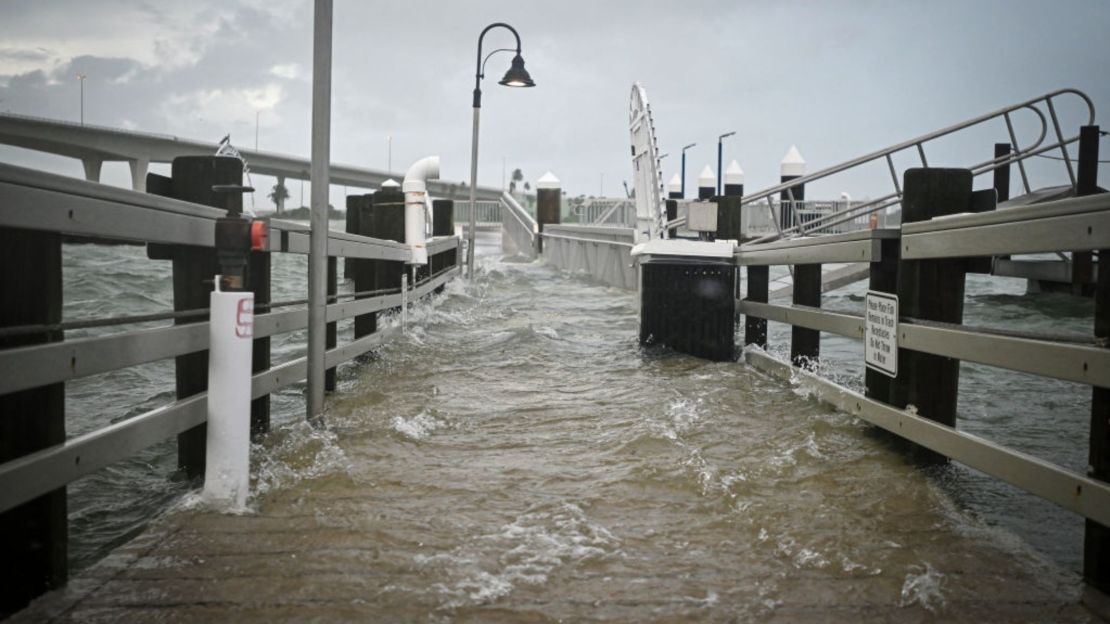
(416, 193)
(231, 330)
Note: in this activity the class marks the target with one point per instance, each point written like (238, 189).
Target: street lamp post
(684, 167)
(81, 79)
(517, 76)
(721, 175)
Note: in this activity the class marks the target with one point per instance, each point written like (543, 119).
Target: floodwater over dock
(517, 456)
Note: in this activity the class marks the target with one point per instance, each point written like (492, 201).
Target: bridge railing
(37, 210)
(487, 213)
(914, 404)
(607, 211)
(518, 229)
(602, 252)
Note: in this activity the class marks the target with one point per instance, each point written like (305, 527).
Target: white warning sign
(880, 342)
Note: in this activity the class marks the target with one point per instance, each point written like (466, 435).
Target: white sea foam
(923, 586)
(294, 453)
(530, 547)
(418, 427)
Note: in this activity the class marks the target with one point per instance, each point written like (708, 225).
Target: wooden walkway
(316, 554)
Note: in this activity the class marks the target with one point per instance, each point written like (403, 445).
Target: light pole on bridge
(686, 147)
(517, 76)
(720, 150)
(81, 79)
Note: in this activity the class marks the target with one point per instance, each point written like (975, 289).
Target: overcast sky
(837, 79)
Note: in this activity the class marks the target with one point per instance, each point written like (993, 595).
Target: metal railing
(44, 202)
(1043, 107)
(1018, 155)
(487, 213)
(602, 252)
(607, 211)
(518, 229)
(1079, 224)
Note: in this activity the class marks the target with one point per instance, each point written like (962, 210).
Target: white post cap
(390, 183)
(706, 179)
(734, 174)
(675, 185)
(792, 164)
(548, 181)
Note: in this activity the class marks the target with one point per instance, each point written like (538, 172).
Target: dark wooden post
(1002, 174)
(363, 270)
(1096, 539)
(352, 228)
(549, 196)
(443, 224)
(805, 344)
(258, 279)
(674, 193)
(1086, 183)
(33, 536)
(931, 290)
(389, 224)
(191, 180)
(331, 332)
(883, 278)
(755, 328)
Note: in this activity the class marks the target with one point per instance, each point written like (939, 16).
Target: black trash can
(689, 305)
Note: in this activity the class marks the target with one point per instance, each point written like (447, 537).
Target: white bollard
(231, 330)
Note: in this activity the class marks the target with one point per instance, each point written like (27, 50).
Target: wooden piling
(755, 329)
(883, 278)
(548, 204)
(331, 330)
(389, 224)
(33, 536)
(805, 344)
(1096, 538)
(728, 218)
(672, 214)
(258, 280)
(931, 290)
(363, 270)
(194, 268)
(443, 224)
(352, 228)
(1086, 183)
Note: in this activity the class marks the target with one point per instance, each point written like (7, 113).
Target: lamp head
(517, 76)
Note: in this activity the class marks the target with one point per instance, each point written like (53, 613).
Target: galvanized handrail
(1018, 155)
(46, 202)
(1073, 224)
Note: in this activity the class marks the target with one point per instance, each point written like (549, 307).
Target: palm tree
(278, 195)
(516, 177)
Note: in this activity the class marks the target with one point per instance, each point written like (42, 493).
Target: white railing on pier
(606, 211)
(601, 252)
(518, 229)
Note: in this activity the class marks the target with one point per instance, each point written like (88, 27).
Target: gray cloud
(837, 79)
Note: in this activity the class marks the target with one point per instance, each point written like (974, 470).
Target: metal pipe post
(473, 184)
(320, 178)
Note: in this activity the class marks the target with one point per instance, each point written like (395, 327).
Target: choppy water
(518, 446)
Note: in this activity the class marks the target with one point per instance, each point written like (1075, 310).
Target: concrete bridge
(94, 145)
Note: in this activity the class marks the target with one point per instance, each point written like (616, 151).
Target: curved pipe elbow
(421, 171)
